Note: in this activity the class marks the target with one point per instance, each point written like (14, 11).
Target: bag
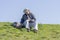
(17, 25)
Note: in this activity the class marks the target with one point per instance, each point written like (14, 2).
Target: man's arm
(33, 18)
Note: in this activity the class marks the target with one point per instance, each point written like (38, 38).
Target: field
(45, 32)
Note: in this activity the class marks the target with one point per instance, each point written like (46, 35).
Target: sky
(45, 11)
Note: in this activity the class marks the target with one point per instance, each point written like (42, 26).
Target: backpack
(17, 25)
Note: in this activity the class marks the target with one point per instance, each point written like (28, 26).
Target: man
(28, 20)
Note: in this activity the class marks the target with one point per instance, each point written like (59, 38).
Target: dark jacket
(24, 18)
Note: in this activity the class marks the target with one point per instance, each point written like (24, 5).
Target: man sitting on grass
(28, 20)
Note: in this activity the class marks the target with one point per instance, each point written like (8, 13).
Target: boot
(28, 30)
(35, 31)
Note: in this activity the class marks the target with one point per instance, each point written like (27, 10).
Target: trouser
(27, 24)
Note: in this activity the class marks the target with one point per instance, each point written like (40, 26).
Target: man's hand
(28, 20)
(32, 20)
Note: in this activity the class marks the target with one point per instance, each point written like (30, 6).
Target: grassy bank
(45, 32)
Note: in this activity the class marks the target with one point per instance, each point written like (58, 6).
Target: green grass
(45, 32)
